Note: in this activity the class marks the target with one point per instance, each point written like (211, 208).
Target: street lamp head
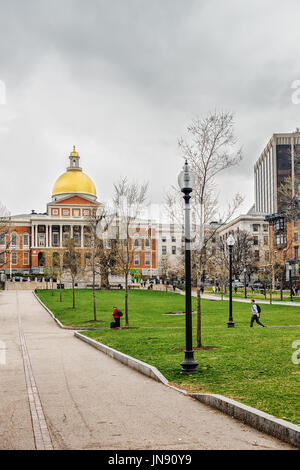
(230, 240)
(186, 178)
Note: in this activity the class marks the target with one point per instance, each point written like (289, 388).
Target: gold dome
(74, 181)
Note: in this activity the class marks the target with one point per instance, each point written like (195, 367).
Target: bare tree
(5, 224)
(100, 252)
(242, 254)
(165, 267)
(128, 201)
(211, 148)
(72, 263)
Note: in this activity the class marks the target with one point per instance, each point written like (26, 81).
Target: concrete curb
(283, 430)
(129, 361)
(83, 328)
(50, 313)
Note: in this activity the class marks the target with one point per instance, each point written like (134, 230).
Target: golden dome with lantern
(74, 181)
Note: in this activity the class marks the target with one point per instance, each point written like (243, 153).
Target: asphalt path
(57, 392)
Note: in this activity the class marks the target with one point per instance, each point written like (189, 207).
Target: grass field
(253, 366)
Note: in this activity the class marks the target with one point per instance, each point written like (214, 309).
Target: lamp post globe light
(186, 181)
(230, 244)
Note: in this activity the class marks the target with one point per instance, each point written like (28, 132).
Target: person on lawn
(116, 317)
(255, 314)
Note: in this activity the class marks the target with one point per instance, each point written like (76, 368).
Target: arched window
(41, 259)
(147, 242)
(25, 239)
(136, 240)
(14, 239)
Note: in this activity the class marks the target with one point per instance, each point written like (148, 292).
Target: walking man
(255, 314)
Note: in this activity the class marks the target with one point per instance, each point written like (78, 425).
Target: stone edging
(50, 313)
(129, 361)
(58, 322)
(283, 430)
(279, 428)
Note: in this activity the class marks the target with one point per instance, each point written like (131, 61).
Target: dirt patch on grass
(195, 348)
(94, 321)
(176, 313)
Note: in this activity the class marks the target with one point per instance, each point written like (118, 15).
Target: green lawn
(147, 308)
(251, 365)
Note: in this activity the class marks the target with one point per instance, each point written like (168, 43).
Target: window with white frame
(25, 239)
(14, 239)
(136, 242)
(76, 212)
(65, 211)
(55, 211)
(147, 259)
(25, 258)
(164, 239)
(86, 212)
(173, 250)
(2, 239)
(164, 250)
(41, 240)
(147, 242)
(2, 258)
(55, 238)
(136, 260)
(14, 258)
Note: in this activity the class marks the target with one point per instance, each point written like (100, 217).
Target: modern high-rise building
(279, 160)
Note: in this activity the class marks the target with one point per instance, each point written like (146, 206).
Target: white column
(50, 233)
(36, 235)
(60, 236)
(81, 236)
(32, 236)
(47, 235)
(71, 231)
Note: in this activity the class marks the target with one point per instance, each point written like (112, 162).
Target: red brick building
(34, 239)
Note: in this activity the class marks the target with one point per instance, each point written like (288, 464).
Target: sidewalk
(91, 401)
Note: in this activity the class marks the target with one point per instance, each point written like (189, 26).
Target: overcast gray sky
(122, 79)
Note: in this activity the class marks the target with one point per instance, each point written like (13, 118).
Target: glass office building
(278, 164)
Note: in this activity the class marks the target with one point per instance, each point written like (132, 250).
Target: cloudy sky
(122, 79)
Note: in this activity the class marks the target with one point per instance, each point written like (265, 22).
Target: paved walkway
(259, 301)
(58, 392)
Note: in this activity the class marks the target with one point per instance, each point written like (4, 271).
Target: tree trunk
(60, 292)
(199, 312)
(199, 319)
(73, 289)
(94, 297)
(126, 299)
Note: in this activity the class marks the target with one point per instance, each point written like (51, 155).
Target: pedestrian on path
(255, 314)
(116, 316)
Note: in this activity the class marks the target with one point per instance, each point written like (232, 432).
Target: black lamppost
(290, 279)
(245, 283)
(230, 243)
(186, 181)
